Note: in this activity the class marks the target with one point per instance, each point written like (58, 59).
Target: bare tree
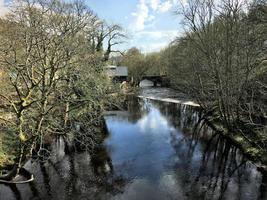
(112, 35)
(115, 36)
(43, 49)
(221, 62)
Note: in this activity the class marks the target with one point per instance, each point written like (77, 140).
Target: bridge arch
(156, 80)
(146, 83)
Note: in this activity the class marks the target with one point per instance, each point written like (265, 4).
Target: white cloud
(154, 4)
(141, 16)
(179, 2)
(3, 8)
(144, 8)
(146, 36)
(153, 47)
(2, 3)
(165, 6)
(166, 34)
(153, 41)
(184, 2)
(150, 18)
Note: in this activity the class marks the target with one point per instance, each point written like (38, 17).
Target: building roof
(117, 70)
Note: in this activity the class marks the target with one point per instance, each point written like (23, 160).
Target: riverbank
(165, 95)
(254, 153)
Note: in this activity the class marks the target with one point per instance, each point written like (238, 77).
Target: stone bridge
(158, 80)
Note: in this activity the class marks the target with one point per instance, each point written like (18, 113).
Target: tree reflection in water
(68, 175)
(154, 150)
(224, 173)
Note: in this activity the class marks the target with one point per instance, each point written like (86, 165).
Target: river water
(154, 150)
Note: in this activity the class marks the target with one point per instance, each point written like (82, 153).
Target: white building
(117, 73)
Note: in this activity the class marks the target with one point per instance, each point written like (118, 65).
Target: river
(155, 150)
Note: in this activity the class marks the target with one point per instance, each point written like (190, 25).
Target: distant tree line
(140, 64)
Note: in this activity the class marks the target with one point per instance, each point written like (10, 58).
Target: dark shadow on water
(153, 150)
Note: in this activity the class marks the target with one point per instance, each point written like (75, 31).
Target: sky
(3, 9)
(149, 24)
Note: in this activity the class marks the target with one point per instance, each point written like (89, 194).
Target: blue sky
(150, 24)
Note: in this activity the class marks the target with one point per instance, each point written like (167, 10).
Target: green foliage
(140, 64)
(135, 61)
(52, 70)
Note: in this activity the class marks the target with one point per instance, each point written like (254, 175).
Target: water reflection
(169, 153)
(154, 150)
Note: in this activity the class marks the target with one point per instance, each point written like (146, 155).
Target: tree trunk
(66, 115)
